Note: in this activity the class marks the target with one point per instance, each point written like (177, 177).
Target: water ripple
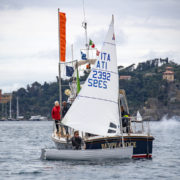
(21, 144)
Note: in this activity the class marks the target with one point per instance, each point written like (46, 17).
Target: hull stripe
(142, 156)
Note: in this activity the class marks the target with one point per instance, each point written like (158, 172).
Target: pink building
(125, 77)
(168, 74)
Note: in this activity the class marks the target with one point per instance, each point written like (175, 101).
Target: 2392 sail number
(99, 79)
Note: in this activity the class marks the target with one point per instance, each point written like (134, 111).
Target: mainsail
(95, 109)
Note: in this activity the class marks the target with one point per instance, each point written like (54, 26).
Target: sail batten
(110, 43)
(99, 99)
(96, 106)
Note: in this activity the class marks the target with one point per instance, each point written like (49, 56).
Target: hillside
(149, 93)
(146, 91)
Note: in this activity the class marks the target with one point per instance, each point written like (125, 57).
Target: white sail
(138, 116)
(95, 110)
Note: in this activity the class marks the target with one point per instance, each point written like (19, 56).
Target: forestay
(95, 110)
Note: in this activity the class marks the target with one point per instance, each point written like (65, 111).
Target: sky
(145, 29)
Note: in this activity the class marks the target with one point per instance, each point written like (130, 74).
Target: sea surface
(21, 143)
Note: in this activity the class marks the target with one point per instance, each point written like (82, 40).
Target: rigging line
(147, 141)
(84, 25)
(84, 11)
(97, 99)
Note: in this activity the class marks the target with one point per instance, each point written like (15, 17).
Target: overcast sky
(145, 29)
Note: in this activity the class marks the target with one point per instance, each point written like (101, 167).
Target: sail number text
(99, 79)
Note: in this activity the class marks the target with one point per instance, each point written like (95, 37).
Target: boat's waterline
(98, 154)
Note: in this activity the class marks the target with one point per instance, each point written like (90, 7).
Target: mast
(119, 106)
(60, 86)
(72, 53)
(2, 110)
(84, 25)
(126, 102)
(6, 110)
(17, 106)
(120, 118)
(10, 110)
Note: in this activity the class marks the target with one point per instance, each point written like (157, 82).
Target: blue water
(21, 143)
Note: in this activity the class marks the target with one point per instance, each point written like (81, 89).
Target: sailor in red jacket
(55, 113)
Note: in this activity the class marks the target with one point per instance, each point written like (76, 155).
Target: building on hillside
(125, 77)
(169, 74)
(5, 98)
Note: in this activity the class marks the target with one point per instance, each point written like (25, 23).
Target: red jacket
(55, 113)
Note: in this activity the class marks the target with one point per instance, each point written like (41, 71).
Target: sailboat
(95, 111)
(139, 117)
(18, 117)
(10, 109)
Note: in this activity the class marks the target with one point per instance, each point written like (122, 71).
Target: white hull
(97, 154)
(61, 143)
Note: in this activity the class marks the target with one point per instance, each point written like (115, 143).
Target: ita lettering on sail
(100, 75)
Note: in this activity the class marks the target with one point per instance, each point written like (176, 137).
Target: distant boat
(138, 116)
(38, 118)
(18, 117)
(10, 109)
(3, 119)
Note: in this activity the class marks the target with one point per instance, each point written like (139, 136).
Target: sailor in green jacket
(125, 120)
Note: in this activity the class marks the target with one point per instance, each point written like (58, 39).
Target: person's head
(64, 103)
(122, 109)
(76, 133)
(56, 103)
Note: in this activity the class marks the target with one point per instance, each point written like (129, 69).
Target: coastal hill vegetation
(146, 83)
(147, 90)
